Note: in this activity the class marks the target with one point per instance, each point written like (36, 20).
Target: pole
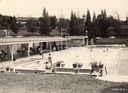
(87, 42)
(47, 45)
(66, 43)
(6, 34)
(126, 26)
(50, 47)
(41, 47)
(87, 38)
(69, 43)
(6, 25)
(61, 45)
(83, 43)
(12, 56)
(106, 70)
(29, 51)
(61, 37)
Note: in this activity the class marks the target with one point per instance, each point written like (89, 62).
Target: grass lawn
(53, 83)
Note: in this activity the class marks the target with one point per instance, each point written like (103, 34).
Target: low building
(24, 46)
(23, 20)
(77, 41)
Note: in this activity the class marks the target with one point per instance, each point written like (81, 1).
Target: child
(47, 66)
(50, 59)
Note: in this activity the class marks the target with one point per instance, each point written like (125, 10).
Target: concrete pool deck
(110, 57)
(82, 55)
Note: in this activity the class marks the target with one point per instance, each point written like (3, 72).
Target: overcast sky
(34, 8)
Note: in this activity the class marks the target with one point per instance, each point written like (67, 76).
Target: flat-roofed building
(12, 48)
(77, 41)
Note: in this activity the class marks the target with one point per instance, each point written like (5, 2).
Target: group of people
(4, 55)
(48, 64)
(97, 67)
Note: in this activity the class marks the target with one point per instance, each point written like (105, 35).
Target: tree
(9, 22)
(76, 25)
(94, 17)
(45, 14)
(31, 25)
(94, 25)
(53, 21)
(80, 26)
(63, 26)
(2, 21)
(88, 25)
(72, 23)
(115, 25)
(13, 25)
(103, 23)
(45, 24)
(63, 23)
(117, 28)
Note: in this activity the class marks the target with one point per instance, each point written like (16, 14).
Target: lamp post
(61, 33)
(126, 25)
(6, 32)
(6, 27)
(86, 38)
(61, 36)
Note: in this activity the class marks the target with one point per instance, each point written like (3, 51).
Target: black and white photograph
(63, 46)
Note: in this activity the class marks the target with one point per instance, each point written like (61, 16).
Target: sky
(34, 8)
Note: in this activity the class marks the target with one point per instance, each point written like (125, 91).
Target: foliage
(8, 22)
(45, 24)
(13, 25)
(88, 25)
(97, 26)
(53, 21)
(63, 23)
(31, 25)
(114, 26)
(76, 25)
(103, 24)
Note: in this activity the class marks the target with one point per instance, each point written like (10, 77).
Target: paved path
(123, 63)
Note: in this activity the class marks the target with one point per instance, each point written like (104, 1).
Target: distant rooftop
(77, 37)
(26, 18)
(21, 40)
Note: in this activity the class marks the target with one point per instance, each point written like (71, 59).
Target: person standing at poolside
(42, 54)
(50, 59)
(47, 65)
(93, 65)
(101, 65)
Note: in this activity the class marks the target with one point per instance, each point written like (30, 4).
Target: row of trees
(47, 23)
(95, 26)
(8, 22)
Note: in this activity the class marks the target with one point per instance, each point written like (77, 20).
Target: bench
(64, 69)
(29, 71)
(57, 69)
(84, 70)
